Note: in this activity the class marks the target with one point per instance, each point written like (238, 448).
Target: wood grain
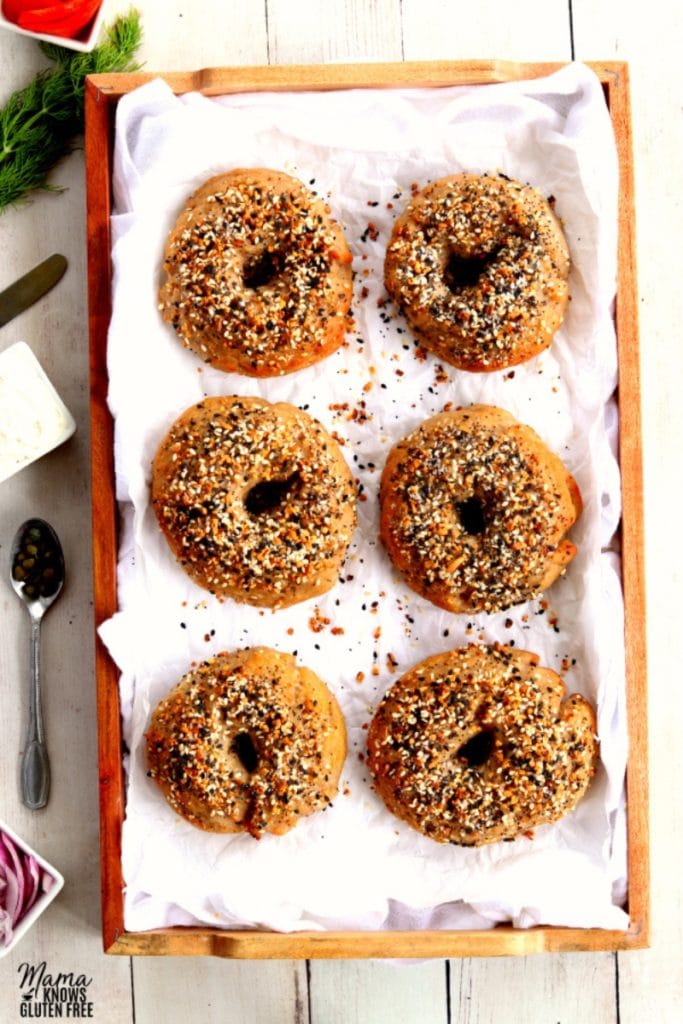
(358, 30)
(651, 981)
(379, 993)
(191, 34)
(104, 513)
(632, 525)
(435, 30)
(226, 992)
(68, 935)
(250, 944)
(538, 990)
(573, 988)
(321, 77)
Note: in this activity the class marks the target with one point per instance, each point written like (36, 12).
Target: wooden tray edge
(316, 77)
(261, 945)
(102, 93)
(98, 145)
(632, 525)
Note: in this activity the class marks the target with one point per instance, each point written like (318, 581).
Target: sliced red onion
(32, 873)
(22, 882)
(15, 880)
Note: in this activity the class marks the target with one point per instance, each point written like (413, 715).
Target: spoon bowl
(37, 576)
(37, 565)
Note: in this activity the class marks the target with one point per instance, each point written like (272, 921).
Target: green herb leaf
(40, 123)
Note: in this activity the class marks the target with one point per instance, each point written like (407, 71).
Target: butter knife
(29, 288)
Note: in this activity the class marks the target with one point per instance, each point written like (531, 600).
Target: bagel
(479, 266)
(247, 742)
(478, 745)
(255, 500)
(258, 275)
(474, 509)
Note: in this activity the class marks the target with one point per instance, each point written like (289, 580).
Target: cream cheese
(33, 418)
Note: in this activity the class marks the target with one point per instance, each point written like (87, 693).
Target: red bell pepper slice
(13, 8)
(63, 19)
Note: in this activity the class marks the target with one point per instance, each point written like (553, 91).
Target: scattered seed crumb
(318, 621)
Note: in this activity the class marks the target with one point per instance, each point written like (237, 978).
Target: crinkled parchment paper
(355, 865)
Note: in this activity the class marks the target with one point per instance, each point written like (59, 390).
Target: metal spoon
(37, 575)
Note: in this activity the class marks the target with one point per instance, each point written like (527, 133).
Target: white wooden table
(630, 988)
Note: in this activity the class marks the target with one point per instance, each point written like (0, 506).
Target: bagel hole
(472, 516)
(268, 495)
(244, 750)
(478, 748)
(262, 269)
(464, 272)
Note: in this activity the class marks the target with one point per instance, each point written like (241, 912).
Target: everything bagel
(258, 275)
(479, 744)
(247, 742)
(474, 510)
(255, 500)
(479, 266)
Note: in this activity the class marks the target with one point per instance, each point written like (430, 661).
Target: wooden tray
(102, 95)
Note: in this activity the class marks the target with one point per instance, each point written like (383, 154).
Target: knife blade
(29, 288)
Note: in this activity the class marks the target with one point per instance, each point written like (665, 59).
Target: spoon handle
(35, 766)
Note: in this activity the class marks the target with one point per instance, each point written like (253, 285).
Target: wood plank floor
(633, 988)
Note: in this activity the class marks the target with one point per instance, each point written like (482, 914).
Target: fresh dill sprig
(40, 123)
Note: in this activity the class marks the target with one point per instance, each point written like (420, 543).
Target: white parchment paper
(355, 865)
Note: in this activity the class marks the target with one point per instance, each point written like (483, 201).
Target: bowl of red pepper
(72, 23)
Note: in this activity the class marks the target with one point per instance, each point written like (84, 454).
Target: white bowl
(42, 902)
(33, 418)
(82, 43)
